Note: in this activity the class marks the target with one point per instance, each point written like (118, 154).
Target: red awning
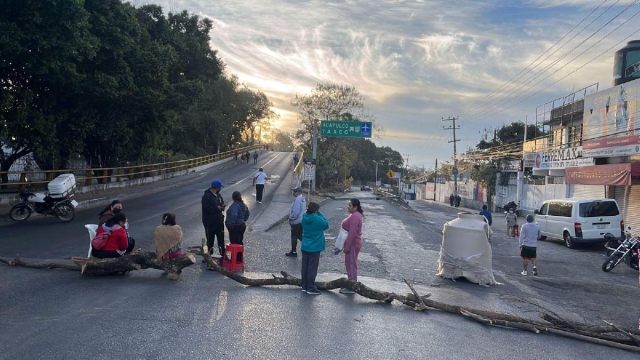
(610, 174)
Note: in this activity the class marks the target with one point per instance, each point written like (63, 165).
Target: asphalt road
(48, 238)
(60, 315)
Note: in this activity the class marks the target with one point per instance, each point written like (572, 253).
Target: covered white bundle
(466, 251)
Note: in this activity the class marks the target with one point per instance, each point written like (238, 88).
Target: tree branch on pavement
(610, 335)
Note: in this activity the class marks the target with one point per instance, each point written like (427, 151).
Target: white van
(579, 220)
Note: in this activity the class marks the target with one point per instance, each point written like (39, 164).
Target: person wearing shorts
(529, 235)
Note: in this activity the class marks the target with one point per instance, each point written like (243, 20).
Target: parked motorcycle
(621, 250)
(63, 208)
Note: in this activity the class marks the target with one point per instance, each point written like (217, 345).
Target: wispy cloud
(415, 61)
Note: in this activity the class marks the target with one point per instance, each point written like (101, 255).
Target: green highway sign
(352, 129)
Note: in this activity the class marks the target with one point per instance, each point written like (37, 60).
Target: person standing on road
(212, 217)
(512, 221)
(108, 212)
(235, 154)
(295, 220)
(296, 158)
(487, 214)
(168, 238)
(255, 156)
(353, 243)
(529, 235)
(451, 199)
(458, 200)
(237, 216)
(313, 243)
(258, 182)
(247, 156)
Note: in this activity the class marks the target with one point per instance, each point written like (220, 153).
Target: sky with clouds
(417, 61)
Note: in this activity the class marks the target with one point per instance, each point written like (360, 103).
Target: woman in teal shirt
(313, 226)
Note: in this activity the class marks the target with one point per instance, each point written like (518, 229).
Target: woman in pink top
(353, 225)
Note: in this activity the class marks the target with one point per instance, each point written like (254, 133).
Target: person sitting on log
(168, 238)
(108, 212)
(118, 240)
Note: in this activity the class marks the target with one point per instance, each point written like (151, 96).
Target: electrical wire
(516, 77)
(481, 115)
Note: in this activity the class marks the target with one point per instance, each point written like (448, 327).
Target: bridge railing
(86, 177)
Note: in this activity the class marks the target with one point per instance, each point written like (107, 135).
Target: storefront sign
(562, 159)
(513, 165)
(609, 121)
(611, 174)
(530, 160)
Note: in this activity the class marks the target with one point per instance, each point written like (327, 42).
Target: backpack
(101, 240)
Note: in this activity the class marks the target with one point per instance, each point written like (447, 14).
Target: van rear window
(599, 209)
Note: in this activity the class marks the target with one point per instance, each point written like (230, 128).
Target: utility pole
(455, 150)
(435, 181)
(315, 147)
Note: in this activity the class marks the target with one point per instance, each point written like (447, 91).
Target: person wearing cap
(258, 181)
(295, 220)
(529, 235)
(212, 217)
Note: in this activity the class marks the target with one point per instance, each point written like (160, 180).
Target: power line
(523, 71)
(482, 111)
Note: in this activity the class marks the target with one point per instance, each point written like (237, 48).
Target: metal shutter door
(586, 191)
(628, 199)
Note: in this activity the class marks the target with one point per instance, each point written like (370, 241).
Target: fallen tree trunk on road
(610, 335)
(136, 260)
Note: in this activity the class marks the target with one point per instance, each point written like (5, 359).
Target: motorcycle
(621, 250)
(63, 208)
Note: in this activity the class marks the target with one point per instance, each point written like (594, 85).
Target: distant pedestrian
(235, 154)
(258, 182)
(237, 216)
(512, 221)
(247, 156)
(528, 244)
(212, 217)
(108, 212)
(451, 199)
(353, 226)
(296, 158)
(458, 200)
(487, 214)
(313, 243)
(168, 238)
(295, 220)
(255, 157)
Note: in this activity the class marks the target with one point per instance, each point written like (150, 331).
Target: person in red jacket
(118, 242)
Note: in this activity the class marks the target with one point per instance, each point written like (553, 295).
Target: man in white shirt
(529, 243)
(258, 181)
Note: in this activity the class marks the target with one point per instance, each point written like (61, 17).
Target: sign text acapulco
(562, 158)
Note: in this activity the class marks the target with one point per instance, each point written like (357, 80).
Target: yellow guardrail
(115, 174)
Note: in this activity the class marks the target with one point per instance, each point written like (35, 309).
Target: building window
(633, 64)
(575, 135)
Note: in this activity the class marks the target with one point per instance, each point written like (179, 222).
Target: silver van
(579, 220)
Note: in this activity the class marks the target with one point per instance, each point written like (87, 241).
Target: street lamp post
(375, 161)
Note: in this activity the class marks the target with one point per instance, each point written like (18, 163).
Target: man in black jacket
(212, 217)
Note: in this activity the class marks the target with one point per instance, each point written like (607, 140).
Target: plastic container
(62, 186)
(466, 250)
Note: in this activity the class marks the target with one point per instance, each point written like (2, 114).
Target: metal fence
(88, 177)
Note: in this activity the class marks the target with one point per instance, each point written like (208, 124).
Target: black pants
(211, 233)
(236, 236)
(259, 191)
(101, 254)
(310, 262)
(296, 235)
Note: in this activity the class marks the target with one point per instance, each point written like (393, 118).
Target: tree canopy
(117, 84)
